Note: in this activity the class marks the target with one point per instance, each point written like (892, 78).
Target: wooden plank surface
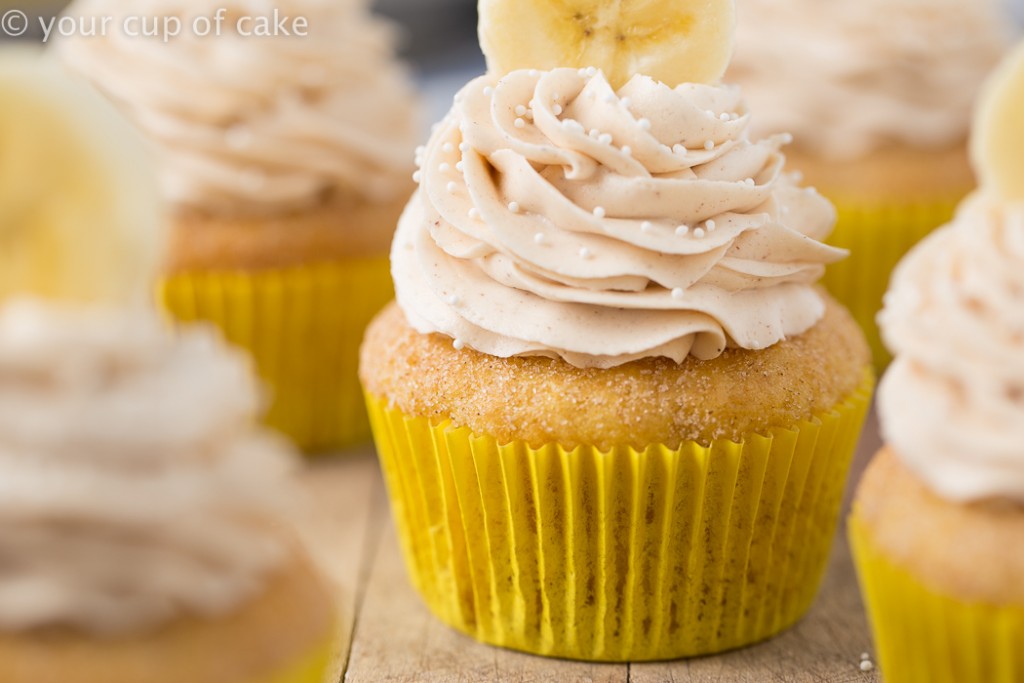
(389, 636)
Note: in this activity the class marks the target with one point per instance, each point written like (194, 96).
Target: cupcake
(613, 410)
(286, 161)
(143, 512)
(877, 95)
(938, 518)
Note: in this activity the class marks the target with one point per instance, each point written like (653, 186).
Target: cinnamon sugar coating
(655, 400)
(969, 551)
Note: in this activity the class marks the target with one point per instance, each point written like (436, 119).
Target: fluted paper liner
(877, 237)
(621, 554)
(924, 636)
(303, 327)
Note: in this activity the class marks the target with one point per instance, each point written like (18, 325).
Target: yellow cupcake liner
(924, 636)
(877, 237)
(303, 327)
(621, 554)
(311, 668)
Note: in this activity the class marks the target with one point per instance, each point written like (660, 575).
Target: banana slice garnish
(997, 143)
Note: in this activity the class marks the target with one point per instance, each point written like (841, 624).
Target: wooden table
(389, 636)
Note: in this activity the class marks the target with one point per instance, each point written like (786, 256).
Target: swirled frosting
(952, 403)
(248, 124)
(848, 77)
(558, 217)
(133, 487)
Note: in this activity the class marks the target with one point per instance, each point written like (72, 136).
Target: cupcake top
(133, 486)
(952, 403)
(849, 77)
(245, 124)
(559, 217)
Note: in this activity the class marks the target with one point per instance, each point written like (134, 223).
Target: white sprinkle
(610, 98)
(644, 123)
(755, 344)
(513, 207)
(417, 176)
(864, 655)
(474, 213)
(488, 91)
(709, 113)
(627, 150)
(605, 139)
(698, 233)
(583, 73)
(453, 300)
(463, 146)
(711, 226)
(421, 150)
(557, 109)
(866, 665)
(459, 344)
(529, 116)
(521, 110)
(539, 238)
(786, 138)
(534, 73)
(444, 167)
(594, 132)
(447, 148)
(520, 123)
(452, 186)
(591, 71)
(680, 150)
(600, 212)
(683, 230)
(626, 102)
(555, 96)
(678, 293)
(585, 253)
(646, 226)
(460, 167)
(723, 117)
(709, 145)
(749, 181)
(809, 190)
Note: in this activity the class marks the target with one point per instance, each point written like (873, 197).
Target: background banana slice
(674, 41)
(997, 144)
(79, 209)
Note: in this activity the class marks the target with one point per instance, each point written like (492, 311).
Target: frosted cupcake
(287, 162)
(938, 518)
(613, 410)
(877, 95)
(143, 514)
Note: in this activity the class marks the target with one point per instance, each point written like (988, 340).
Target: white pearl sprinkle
(711, 226)
(678, 293)
(459, 344)
(785, 138)
(679, 149)
(555, 96)
(724, 117)
(539, 238)
(520, 123)
(646, 226)
(534, 73)
(521, 110)
(529, 116)
(444, 167)
(626, 102)
(448, 148)
(488, 91)
(749, 181)
(605, 139)
(600, 212)
(627, 150)
(864, 655)
(513, 207)
(610, 98)
(644, 123)
(474, 213)
(463, 146)
(683, 230)
(585, 253)
(453, 300)
(452, 186)
(557, 109)
(866, 665)
(583, 73)
(698, 233)
(417, 176)
(594, 132)
(591, 71)
(709, 145)
(420, 151)
(460, 167)
(710, 113)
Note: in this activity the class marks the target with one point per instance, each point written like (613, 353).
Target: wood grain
(390, 637)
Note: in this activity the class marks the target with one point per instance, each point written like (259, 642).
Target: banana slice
(79, 209)
(997, 143)
(673, 41)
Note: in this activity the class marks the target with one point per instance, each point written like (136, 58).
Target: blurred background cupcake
(144, 514)
(877, 94)
(287, 161)
(939, 516)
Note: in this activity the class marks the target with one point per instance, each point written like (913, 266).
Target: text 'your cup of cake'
(614, 411)
(938, 518)
(144, 514)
